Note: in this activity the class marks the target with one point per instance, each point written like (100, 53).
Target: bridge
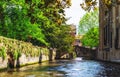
(85, 52)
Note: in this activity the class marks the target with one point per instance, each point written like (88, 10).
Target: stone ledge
(117, 61)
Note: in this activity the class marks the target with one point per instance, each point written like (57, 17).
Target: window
(107, 32)
(111, 40)
(117, 39)
(105, 38)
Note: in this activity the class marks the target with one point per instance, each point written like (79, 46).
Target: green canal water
(66, 68)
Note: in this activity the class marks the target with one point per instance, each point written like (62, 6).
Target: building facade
(109, 22)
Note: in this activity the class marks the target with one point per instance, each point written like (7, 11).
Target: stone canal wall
(14, 53)
(26, 60)
(112, 56)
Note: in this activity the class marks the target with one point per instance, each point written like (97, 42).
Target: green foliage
(19, 54)
(91, 38)
(18, 21)
(3, 53)
(25, 19)
(15, 55)
(64, 39)
(19, 47)
(35, 21)
(88, 21)
(88, 27)
(89, 5)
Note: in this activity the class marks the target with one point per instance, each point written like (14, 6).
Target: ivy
(3, 53)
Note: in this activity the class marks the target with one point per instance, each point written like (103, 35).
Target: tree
(91, 38)
(88, 21)
(54, 29)
(89, 5)
(16, 22)
(36, 21)
(89, 28)
(63, 40)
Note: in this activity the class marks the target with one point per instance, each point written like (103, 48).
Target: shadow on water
(67, 68)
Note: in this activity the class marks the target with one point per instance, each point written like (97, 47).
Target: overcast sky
(75, 12)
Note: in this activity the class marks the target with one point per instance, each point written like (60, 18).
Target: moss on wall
(17, 47)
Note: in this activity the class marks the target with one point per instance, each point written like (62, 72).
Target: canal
(66, 68)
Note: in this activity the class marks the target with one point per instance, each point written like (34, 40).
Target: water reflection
(67, 68)
(79, 68)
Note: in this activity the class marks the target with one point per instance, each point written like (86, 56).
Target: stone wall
(109, 55)
(25, 60)
(109, 23)
(3, 63)
(14, 53)
(87, 53)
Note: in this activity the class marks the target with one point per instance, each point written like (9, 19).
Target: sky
(75, 12)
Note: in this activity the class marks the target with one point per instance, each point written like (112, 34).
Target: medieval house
(109, 21)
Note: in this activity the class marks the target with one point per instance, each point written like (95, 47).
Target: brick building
(109, 21)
